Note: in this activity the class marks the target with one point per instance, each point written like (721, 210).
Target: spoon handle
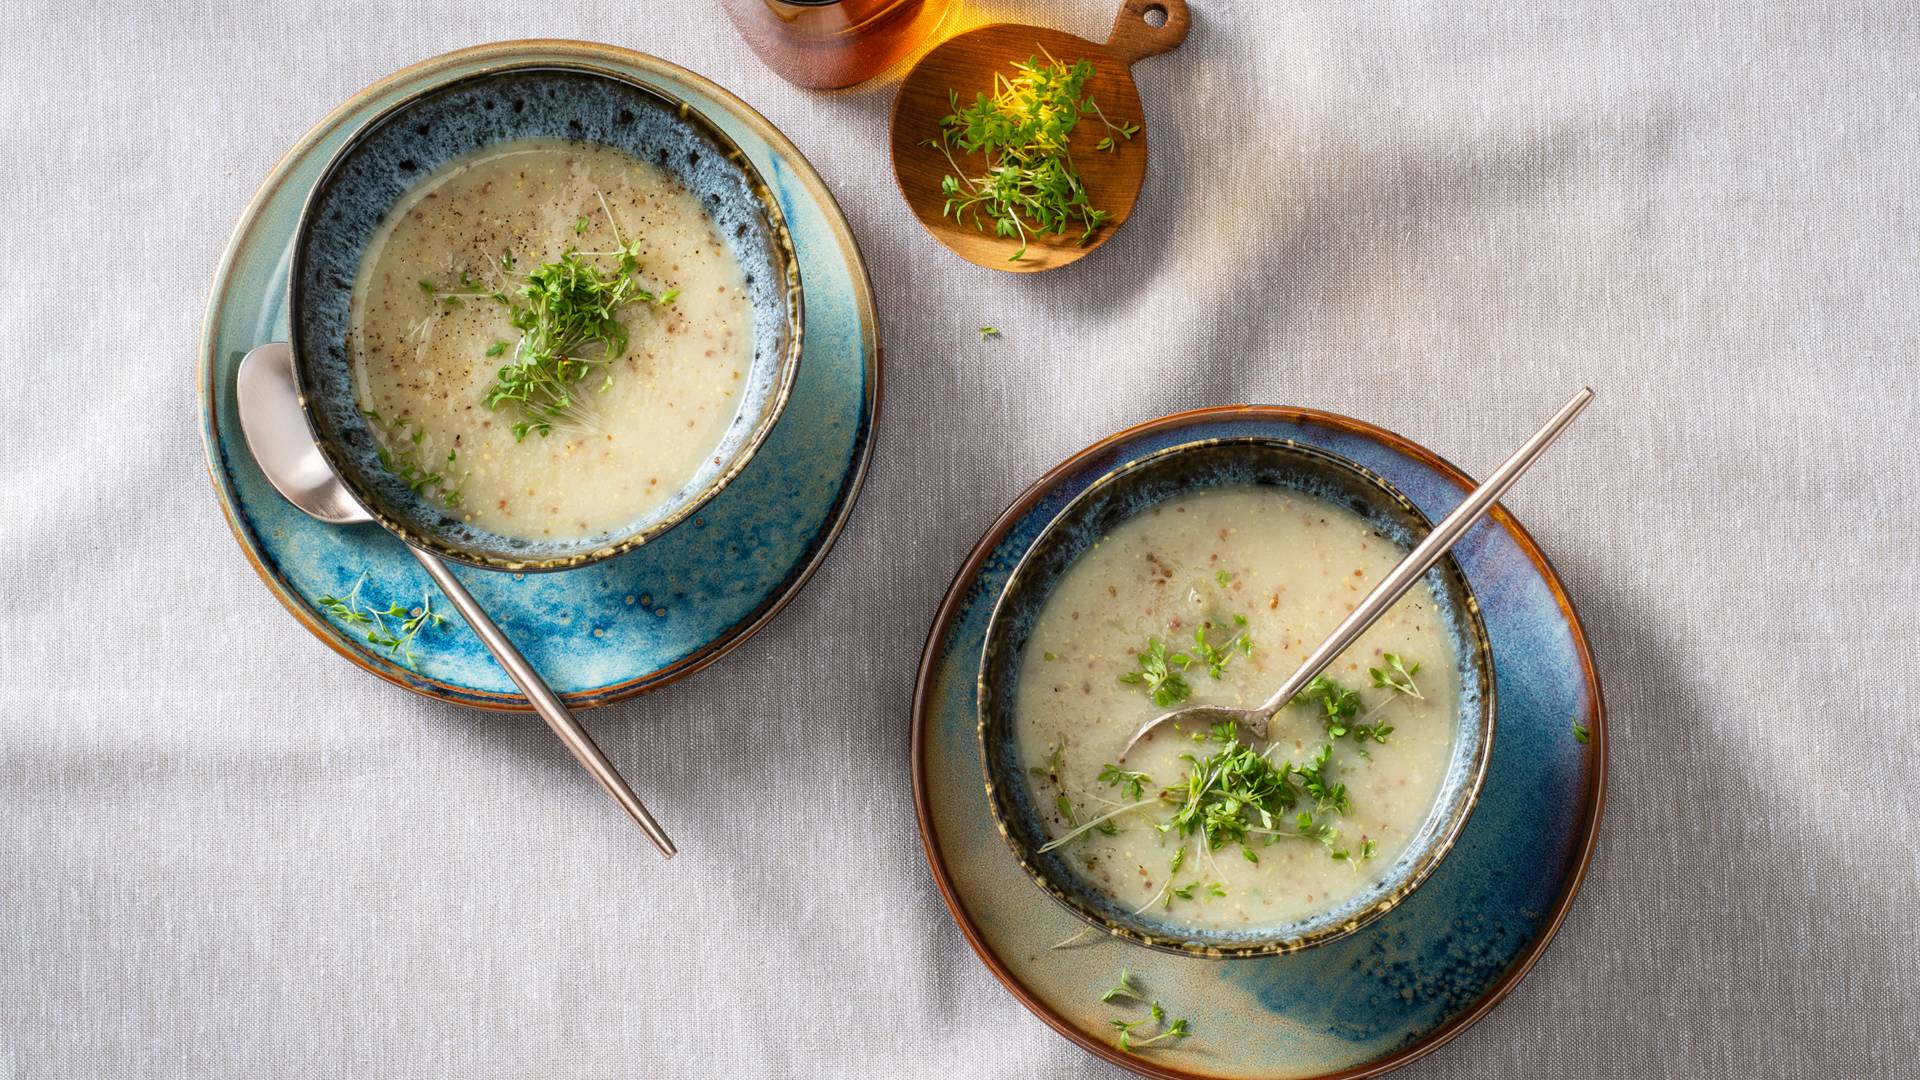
(1438, 542)
(545, 701)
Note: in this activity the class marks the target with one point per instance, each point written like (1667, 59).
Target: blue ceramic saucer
(1381, 996)
(606, 631)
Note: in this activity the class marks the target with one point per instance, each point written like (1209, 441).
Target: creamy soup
(433, 322)
(1263, 575)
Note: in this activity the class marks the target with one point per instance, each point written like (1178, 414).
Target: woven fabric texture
(226, 852)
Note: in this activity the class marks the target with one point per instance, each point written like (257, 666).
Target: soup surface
(433, 323)
(1263, 575)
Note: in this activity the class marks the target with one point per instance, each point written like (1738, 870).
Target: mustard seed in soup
(1215, 598)
(595, 427)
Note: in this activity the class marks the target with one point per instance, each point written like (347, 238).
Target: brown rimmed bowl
(1133, 488)
(395, 149)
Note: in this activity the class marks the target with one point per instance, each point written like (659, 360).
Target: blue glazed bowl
(1128, 491)
(401, 146)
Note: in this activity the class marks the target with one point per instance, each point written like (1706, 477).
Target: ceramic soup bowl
(1137, 487)
(381, 161)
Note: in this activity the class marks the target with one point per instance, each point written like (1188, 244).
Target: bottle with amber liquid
(827, 44)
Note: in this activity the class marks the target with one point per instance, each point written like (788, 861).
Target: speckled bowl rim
(784, 254)
(803, 171)
(1437, 849)
(956, 597)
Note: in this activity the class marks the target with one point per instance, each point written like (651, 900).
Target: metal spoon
(277, 433)
(1393, 587)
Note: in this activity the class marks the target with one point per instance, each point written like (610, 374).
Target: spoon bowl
(276, 431)
(968, 64)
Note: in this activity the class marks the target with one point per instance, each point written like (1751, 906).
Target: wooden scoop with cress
(1022, 148)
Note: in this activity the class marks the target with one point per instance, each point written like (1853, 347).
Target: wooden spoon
(967, 64)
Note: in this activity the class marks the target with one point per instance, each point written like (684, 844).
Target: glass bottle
(827, 44)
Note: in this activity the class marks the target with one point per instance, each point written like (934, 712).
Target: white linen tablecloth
(226, 852)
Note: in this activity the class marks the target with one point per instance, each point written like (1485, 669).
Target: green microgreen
(1069, 941)
(568, 314)
(1133, 783)
(393, 628)
(399, 452)
(1340, 711)
(1397, 677)
(1133, 1044)
(1159, 671)
(1355, 858)
(1580, 732)
(1126, 991)
(1216, 657)
(1337, 703)
(1054, 773)
(989, 332)
(1098, 822)
(1163, 684)
(1313, 780)
(1307, 828)
(1125, 130)
(1054, 769)
(1123, 989)
(1235, 792)
(1235, 795)
(1029, 184)
(1341, 707)
(1104, 827)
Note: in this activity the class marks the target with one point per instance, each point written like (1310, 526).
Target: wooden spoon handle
(1134, 39)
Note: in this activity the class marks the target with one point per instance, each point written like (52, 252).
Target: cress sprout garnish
(1340, 707)
(1157, 1015)
(1157, 667)
(1397, 677)
(568, 315)
(397, 636)
(1030, 184)
(399, 452)
(1164, 685)
(1235, 795)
